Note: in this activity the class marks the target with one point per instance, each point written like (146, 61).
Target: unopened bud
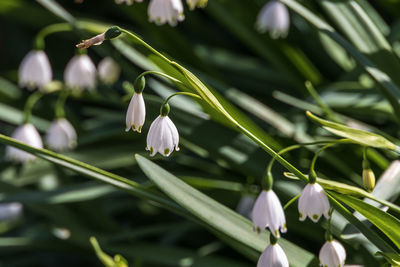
(112, 32)
(139, 84)
(368, 177)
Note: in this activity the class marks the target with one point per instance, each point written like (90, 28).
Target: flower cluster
(167, 11)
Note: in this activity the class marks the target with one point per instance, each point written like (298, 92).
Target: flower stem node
(164, 110)
(268, 212)
(273, 256)
(139, 84)
(313, 203)
(332, 254)
(163, 136)
(112, 32)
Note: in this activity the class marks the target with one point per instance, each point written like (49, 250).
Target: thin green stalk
(54, 28)
(60, 104)
(160, 74)
(290, 202)
(30, 103)
(181, 93)
(327, 110)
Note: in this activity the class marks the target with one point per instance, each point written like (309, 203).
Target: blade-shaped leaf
(215, 214)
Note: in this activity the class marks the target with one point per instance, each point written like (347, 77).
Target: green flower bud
(112, 32)
(368, 177)
(164, 110)
(139, 84)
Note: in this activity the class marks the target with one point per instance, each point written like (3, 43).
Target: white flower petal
(136, 113)
(109, 70)
(274, 18)
(332, 254)
(80, 73)
(61, 135)
(273, 256)
(162, 137)
(27, 134)
(35, 70)
(163, 11)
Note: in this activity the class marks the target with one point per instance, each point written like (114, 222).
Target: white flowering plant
(200, 133)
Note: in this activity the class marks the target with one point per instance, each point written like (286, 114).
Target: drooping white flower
(109, 70)
(10, 211)
(80, 73)
(35, 70)
(313, 202)
(268, 212)
(273, 256)
(196, 3)
(162, 11)
(61, 135)
(274, 18)
(332, 254)
(163, 136)
(136, 113)
(27, 134)
(128, 2)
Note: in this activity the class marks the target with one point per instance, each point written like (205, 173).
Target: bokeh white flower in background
(268, 212)
(108, 70)
(332, 254)
(274, 18)
(196, 3)
(80, 73)
(273, 256)
(27, 134)
(165, 11)
(128, 2)
(136, 113)
(313, 203)
(245, 206)
(10, 211)
(35, 70)
(163, 137)
(61, 135)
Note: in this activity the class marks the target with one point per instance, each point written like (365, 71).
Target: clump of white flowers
(26, 134)
(274, 18)
(61, 135)
(80, 73)
(35, 70)
(163, 136)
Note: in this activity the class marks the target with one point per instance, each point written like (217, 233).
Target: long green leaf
(215, 214)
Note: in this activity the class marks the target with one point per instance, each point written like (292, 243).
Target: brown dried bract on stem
(97, 40)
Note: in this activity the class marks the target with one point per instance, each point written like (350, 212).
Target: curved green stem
(181, 93)
(30, 103)
(160, 74)
(60, 104)
(54, 28)
(290, 202)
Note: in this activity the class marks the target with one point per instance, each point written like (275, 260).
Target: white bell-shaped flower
(273, 256)
(274, 18)
(35, 70)
(61, 135)
(332, 254)
(196, 3)
(80, 73)
(128, 2)
(313, 202)
(108, 70)
(268, 212)
(163, 136)
(136, 113)
(163, 11)
(27, 134)
(10, 211)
